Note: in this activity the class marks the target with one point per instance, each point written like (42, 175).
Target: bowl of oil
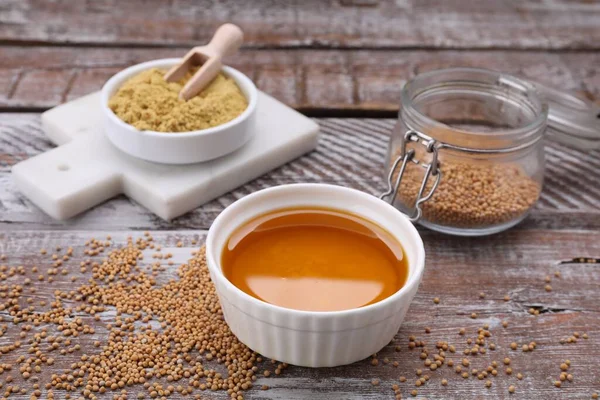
(314, 275)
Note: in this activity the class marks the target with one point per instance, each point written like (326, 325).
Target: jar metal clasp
(432, 169)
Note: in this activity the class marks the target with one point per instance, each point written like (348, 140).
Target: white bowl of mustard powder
(145, 118)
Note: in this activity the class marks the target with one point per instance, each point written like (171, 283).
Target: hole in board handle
(62, 167)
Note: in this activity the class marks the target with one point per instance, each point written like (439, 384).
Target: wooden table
(344, 63)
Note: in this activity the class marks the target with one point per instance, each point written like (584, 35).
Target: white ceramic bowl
(306, 338)
(181, 147)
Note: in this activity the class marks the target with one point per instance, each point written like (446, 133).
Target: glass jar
(466, 156)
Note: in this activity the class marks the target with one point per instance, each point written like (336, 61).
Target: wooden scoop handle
(225, 42)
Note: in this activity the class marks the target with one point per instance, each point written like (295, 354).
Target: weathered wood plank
(457, 270)
(555, 24)
(351, 153)
(42, 77)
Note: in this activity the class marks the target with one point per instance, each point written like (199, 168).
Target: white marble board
(86, 169)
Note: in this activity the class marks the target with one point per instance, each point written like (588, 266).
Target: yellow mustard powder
(148, 102)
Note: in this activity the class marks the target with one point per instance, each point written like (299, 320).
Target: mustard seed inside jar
(466, 156)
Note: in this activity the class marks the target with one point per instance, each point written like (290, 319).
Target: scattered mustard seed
(375, 382)
(563, 377)
(511, 389)
(564, 367)
(436, 300)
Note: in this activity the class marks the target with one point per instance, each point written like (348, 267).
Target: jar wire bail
(431, 169)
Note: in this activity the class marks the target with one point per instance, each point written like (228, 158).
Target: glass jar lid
(571, 120)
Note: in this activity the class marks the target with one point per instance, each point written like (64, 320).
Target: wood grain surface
(351, 153)
(36, 78)
(340, 56)
(529, 24)
(513, 263)
(335, 58)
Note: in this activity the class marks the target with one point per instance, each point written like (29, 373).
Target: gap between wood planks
(312, 46)
(309, 112)
(35, 78)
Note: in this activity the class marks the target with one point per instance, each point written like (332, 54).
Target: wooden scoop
(226, 41)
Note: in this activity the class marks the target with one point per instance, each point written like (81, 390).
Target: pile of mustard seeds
(472, 195)
(169, 337)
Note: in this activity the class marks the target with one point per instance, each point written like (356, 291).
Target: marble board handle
(67, 180)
